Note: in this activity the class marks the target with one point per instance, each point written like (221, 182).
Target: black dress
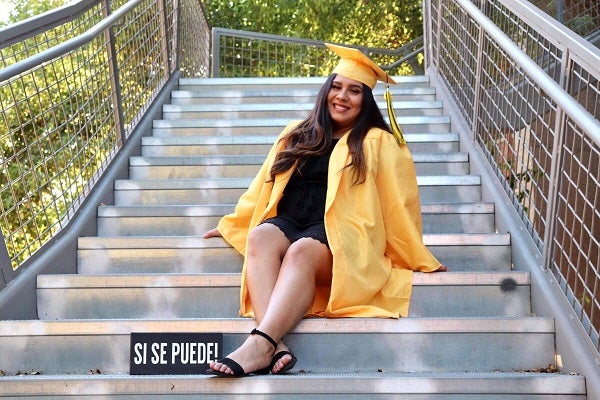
(301, 210)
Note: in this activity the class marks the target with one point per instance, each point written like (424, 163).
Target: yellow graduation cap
(354, 64)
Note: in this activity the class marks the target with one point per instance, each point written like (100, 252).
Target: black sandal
(287, 366)
(238, 371)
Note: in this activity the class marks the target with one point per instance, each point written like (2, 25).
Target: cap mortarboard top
(355, 65)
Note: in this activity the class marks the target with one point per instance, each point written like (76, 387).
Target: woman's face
(344, 101)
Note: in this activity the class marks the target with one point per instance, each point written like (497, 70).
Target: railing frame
(575, 350)
(34, 25)
(403, 53)
(59, 254)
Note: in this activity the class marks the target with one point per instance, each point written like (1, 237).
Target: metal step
(283, 110)
(193, 254)
(322, 345)
(432, 189)
(287, 95)
(228, 166)
(158, 296)
(266, 83)
(305, 385)
(260, 144)
(273, 126)
(185, 220)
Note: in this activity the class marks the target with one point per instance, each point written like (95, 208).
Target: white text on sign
(175, 353)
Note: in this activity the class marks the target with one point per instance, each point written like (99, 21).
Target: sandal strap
(260, 333)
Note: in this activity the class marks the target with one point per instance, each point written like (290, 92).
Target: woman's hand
(212, 233)
(442, 268)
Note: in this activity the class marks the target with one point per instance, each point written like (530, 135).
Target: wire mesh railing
(581, 16)
(74, 85)
(529, 91)
(194, 43)
(251, 54)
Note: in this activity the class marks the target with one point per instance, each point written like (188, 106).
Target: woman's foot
(253, 356)
(283, 362)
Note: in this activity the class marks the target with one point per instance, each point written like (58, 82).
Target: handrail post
(114, 75)
(176, 36)
(216, 56)
(478, 72)
(426, 12)
(557, 156)
(438, 18)
(164, 48)
(5, 265)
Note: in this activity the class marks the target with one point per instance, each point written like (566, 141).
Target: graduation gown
(374, 229)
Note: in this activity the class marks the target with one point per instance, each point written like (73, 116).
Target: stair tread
(157, 242)
(107, 211)
(312, 325)
(304, 382)
(276, 122)
(55, 281)
(402, 104)
(213, 93)
(287, 81)
(243, 183)
(270, 139)
(240, 159)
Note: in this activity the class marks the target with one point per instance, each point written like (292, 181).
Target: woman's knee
(308, 253)
(309, 246)
(266, 238)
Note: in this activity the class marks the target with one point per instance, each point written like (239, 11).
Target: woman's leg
(266, 248)
(306, 263)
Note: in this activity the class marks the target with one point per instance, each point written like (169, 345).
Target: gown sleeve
(401, 208)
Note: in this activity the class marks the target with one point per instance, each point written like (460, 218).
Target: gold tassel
(396, 130)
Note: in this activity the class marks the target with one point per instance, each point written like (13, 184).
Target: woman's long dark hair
(313, 136)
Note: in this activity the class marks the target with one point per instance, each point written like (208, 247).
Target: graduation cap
(354, 64)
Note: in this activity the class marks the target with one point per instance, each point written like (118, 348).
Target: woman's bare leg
(267, 246)
(263, 269)
(305, 263)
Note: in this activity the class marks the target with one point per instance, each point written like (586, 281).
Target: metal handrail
(68, 46)
(572, 108)
(29, 27)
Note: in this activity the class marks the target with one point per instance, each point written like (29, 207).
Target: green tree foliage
(49, 144)
(374, 23)
(23, 9)
(384, 24)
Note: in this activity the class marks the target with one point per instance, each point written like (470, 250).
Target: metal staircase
(470, 334)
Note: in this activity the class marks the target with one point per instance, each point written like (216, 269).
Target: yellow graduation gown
(374, 229)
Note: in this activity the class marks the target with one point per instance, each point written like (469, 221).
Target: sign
(173, 353)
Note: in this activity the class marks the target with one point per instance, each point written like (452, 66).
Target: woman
(331, 224)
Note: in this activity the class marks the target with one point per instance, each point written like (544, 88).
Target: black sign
(173, 353)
